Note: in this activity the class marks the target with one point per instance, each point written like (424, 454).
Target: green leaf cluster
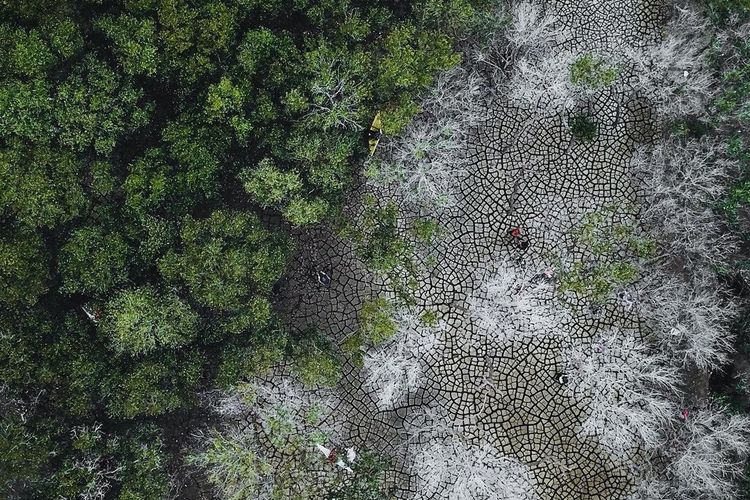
(139, 320)
(315, 361)
(615, 249)
(233, 465)
(368, 482)
(376, 325)
(583, 127)
(722, 10)
(592, 72)
(92, 261)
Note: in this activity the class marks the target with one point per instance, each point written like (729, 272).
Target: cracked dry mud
(526, 171)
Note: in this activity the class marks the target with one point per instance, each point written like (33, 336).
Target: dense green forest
(156, 157)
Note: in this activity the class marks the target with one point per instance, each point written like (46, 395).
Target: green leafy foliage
(90, 464)
(41, 187)
(366, 483)
(739, 196)
(278, 454)
(24, 452)
(153, 386)
(134, 43)
(93, 261)
(451, 16)
(63, 35)
(155, 185)
(268, 185)
(233, 465)
(376, 325)
(378, 236)
(411, 59)
(591, 71)
(40, 350)
(69, 361)
(721, 10)
(145, 466)
(237, 361)
(25, 110)
(226, 259)
(388, 242)
(95, 107)
(425, 230)
(731, 55)
(583, 127)
(134, 268)
(139, 320)
(302, 212)
(376, 320)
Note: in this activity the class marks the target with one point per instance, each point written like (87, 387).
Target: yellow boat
(374, 134)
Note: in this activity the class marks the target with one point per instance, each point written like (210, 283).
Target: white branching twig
(452, 468)
(517, 303)
(675, 74)
(624, 388)
(394, 369)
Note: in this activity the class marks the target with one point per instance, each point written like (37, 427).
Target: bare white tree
(691, 322)
(397, 367)
(517, 303)
(709, 454)
(544, 83)
(236, 401)
(533, 28)
(423, 163)
(458, 93)
(624, 388)
(452, 468)
(533, 66)
(532, 31)
(676, 73)
(651, 486)
(682, 183)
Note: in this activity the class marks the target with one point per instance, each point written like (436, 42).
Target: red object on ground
(684, 414)
(332, 456)
(515, 232)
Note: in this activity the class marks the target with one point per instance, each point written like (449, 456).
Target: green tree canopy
(153, 386)
(140, 320)
(23, 267)
(269, 185)
(226, 259)
(155, 158)
(93, 261)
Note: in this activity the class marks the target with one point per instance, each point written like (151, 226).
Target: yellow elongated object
(374, 134)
